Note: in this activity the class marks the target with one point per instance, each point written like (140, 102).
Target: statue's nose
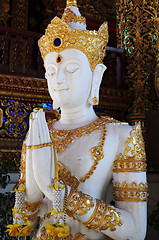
(60, 77)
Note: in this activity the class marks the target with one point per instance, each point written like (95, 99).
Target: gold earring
(95, 101)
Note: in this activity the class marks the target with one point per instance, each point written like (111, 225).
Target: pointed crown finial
(71, 3)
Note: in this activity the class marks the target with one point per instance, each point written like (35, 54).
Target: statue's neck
(77, 117)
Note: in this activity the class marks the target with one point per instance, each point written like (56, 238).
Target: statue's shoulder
(111, 121)
(121, 129)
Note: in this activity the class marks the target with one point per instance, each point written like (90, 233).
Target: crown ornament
(70, 32)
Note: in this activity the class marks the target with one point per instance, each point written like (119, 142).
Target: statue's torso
(78, 159)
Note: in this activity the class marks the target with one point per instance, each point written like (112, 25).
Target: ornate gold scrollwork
(16, 112)
(138, 34)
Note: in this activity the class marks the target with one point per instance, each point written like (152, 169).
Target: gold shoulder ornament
(134, 158)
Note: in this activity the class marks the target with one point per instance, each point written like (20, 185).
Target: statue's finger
(36, 137)
(40, 126)
(45, 127)
(29, 136)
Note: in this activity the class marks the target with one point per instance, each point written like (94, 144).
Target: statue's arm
(36, 167)
(127, 220)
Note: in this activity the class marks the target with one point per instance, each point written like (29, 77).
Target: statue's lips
(60, 89)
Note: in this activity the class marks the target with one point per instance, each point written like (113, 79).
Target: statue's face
(69, 78)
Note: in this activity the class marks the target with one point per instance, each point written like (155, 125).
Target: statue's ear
(96, 81)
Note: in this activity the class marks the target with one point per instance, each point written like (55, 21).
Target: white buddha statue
(91, 151)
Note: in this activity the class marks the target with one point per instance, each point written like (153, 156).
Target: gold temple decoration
(15, 112)
(104, 217)
(134, 158)
(130, 193)
(4, 12)
(59, 36)
(138, 34)
(157, 68)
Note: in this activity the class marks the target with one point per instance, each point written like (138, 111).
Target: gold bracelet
(40, 145)
(78, 203)
(104, 217)
(130, 193)
(31, 218)
(32, 207)
(23, 216)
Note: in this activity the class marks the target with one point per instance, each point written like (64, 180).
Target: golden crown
(59, 36)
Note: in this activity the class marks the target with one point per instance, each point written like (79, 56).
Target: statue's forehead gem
(59, 59)
(57, 42)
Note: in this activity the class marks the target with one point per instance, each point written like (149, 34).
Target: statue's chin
(62, 103)
(60, 99)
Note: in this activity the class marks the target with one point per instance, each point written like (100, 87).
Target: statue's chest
(78, 157)
(90, 157)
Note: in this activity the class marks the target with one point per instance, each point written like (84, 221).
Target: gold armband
(78, 203)
(134, 158)
(129, 164)
(130, 193)
(32, 207)
(104, 217)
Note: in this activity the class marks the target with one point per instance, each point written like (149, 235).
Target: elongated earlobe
(96, 81)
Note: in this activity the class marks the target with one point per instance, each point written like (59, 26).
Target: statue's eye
(72, 67)
(50, 71)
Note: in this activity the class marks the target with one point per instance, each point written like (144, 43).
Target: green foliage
(153, 219)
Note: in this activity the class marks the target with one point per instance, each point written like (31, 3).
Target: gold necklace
(64, 138)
